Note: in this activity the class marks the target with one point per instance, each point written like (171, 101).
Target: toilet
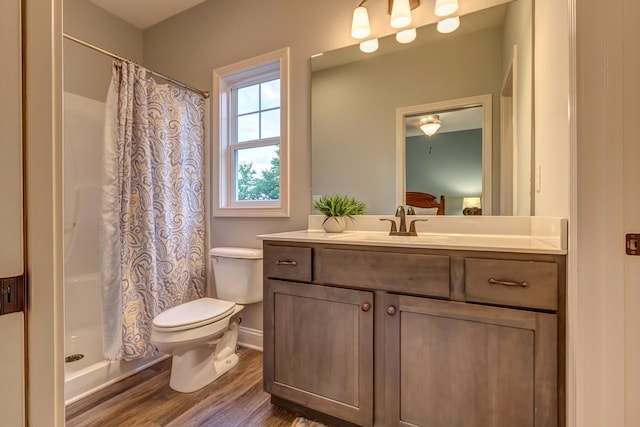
(202, 335)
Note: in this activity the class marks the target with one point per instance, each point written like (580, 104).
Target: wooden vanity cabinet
(370, 337)
(318, 348)
(451, 364)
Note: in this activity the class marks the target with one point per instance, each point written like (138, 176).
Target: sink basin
(379, 236)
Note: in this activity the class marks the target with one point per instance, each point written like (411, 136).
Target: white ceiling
(145, 13)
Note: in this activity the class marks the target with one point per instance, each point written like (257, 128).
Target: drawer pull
(391, 310)
(366, 306)
(493, 281)
(287, 263)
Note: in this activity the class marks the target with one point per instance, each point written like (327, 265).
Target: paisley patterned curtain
(153, 217)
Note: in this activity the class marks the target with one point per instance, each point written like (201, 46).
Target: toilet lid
(229, 252)
(194, 313)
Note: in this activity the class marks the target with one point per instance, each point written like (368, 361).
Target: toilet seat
(193, 314)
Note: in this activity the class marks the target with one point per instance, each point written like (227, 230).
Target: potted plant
(336, 208)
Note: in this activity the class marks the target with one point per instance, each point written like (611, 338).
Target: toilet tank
(237, 273)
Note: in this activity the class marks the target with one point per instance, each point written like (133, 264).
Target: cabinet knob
(366, 306)
(391, 310)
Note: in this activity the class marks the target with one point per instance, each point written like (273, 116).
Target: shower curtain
(153, 216)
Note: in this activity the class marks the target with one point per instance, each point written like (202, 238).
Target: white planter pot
(334, 224)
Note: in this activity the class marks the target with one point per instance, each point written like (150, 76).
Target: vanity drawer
(288, 262)
(530, 284)
(397, 272)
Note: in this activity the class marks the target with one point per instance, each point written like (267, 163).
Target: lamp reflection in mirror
(360, 27)
(471, 206)
(430, 125)
(445, 7)
(400, 14)
(369, 46)
(406, 36)
(448, 25)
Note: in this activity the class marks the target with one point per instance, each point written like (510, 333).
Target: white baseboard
(250, 338)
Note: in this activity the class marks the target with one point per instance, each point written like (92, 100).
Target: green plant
(338, 205)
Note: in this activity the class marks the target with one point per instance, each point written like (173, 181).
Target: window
(252, 128)
(256, 141)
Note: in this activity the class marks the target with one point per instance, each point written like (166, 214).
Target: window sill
(247, 212)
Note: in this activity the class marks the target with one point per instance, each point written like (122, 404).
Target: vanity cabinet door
(319, 348)
(451, 364)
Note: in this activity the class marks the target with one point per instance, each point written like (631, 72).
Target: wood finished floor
(145, 399)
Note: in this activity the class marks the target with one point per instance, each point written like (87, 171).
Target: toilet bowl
(202, 335)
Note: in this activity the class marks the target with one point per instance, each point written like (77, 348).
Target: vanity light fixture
(448, 25)
(406, 36)
(369, 46)
(445, 7)
(360, 28)
(430, 125)
(400, 14)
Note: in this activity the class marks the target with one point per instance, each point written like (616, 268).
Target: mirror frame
(486, 102)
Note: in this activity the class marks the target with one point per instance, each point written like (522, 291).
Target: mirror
(445, 148)
(359, 142)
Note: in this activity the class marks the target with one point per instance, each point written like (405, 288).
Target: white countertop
(518, 234)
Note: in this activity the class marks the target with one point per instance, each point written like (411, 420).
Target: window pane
(248, 99)
(270, 93)
(248, 127)
(258, 173)
(270, 124)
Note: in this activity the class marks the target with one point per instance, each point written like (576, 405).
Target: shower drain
(73, 358)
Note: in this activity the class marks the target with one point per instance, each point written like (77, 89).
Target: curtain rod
(154, 73)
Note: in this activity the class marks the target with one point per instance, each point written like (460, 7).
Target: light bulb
(406, 36)
(360, 27)
(400, 14)
(369, 46)
(445, 7)
(449, 25)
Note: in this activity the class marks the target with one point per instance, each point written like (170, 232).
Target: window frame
(262, 68)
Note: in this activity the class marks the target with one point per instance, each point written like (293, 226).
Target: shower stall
(86, 370)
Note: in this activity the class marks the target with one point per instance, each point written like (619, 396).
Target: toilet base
(198, 367)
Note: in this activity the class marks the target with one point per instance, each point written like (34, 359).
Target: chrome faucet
(403, 223)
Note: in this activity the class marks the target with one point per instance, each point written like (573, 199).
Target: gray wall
(448, 164)
(86, 72)
(354, 110)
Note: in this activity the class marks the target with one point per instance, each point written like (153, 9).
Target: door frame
(484, 101)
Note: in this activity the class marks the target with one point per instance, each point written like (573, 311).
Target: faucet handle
(394, 229)
(412, 227)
